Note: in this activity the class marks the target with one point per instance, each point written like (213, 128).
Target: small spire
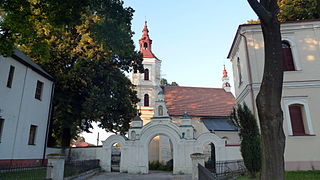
(225, 80)
(145, 43)
(225, 73)
(145, 29)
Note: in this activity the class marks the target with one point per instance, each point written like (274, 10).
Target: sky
(191, 37)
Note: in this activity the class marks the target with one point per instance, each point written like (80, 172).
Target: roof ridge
(195, 87)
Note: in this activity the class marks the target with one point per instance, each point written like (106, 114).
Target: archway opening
(115, 157)
(210, 160)
(160, 153)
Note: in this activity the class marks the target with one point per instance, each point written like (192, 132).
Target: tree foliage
(292, 10)
(250, 138)
(86, 46)
(164, 82)
(295, 10)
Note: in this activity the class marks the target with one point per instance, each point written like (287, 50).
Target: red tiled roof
(82, 144)
(197, 101)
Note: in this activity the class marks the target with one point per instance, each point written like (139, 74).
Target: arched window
(225, 138)
(146, 100)
(145, 45)
(288, 64)
(239, 71)
(133, 135)
(160, 110)
(146, 74)
(297, 119)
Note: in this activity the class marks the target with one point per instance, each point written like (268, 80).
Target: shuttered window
(1, 127)
(288, 64)
(146, 74)
(32, 135)
(146, 100)
(297, 119)
(10, 76)
(39, 88)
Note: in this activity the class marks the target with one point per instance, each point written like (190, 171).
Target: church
(175, 122)
(208, 108)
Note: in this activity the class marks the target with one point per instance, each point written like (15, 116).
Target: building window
(160, 110)
(239, 71)
(297, 119)
(39, 88)
(146, 100)
(32, 135)
(10, 76)
(298, 116)
(288, 64)
(146, 74)
(1, 127)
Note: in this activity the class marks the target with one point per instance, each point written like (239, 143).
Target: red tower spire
(225, 73)
(145, 43)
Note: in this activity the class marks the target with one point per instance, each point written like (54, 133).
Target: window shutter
(146, 74)
(296, 120)
(146, 100)
(288, 64)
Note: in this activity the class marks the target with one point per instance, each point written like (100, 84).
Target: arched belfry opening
(145, 45)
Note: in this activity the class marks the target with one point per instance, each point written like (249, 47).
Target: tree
(250, 138)
(86, 46)
(164, 82)
(292, 10)
(269, 96)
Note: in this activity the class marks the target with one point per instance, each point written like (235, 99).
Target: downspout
(18, 120)
(249, 73)
(48, 124)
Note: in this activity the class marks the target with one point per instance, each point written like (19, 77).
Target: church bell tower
(147, 83)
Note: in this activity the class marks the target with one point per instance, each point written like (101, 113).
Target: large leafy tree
(292, 10)
(269, 96)
(86, 45)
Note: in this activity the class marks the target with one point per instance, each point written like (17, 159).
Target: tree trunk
(269, 106)
(269, 97)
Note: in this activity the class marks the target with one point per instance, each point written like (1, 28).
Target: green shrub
(250, 138)
(156, 165)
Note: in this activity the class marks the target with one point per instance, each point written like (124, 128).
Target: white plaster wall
(87, 153)
(232, 136)
(50, 150)
(233, 153)
(301, 152)
(18, 104)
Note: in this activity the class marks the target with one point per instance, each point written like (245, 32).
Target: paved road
(153, 175)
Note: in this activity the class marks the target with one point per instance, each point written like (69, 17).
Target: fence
(21, 173)
(72, 168)
(226, 169)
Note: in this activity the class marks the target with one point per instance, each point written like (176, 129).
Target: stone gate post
(55, 169)
(197, 158)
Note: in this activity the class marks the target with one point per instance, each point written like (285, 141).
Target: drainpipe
(18, 119)
(249, 72)
(48, 124)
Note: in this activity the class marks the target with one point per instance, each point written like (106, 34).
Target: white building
(301, 85)
(208, 107)
(25, 98)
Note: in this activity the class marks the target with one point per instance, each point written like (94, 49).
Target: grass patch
(32, 174)
(291, 175)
